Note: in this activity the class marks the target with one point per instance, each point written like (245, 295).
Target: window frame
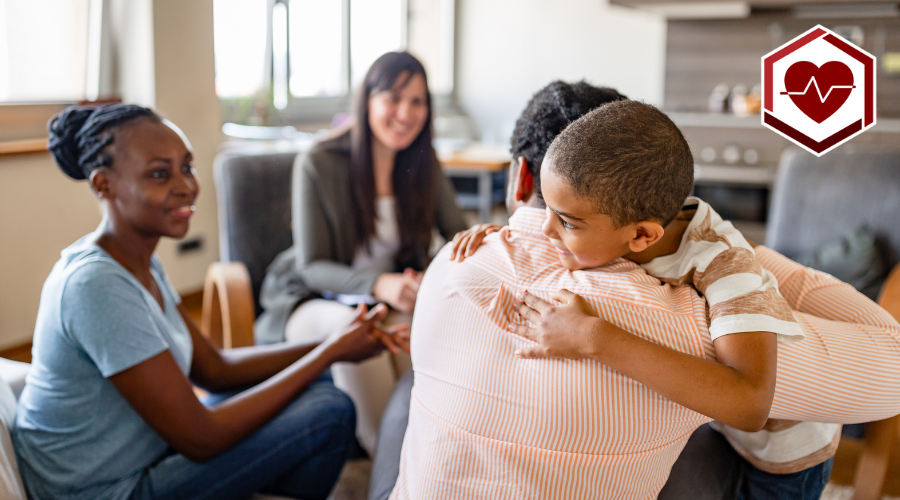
(23, 124)
(321, 110)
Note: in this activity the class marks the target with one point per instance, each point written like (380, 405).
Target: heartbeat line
(813, 82)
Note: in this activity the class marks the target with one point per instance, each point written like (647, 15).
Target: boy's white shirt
(783, 450)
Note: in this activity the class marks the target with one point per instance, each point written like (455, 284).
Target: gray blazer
(322, 223)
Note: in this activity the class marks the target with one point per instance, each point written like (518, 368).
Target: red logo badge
(818, 90)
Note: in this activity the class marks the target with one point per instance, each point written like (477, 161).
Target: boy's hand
(465, 242)
(569, 330)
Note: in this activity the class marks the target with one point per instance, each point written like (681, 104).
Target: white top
(384, 245)
(716, 259)
(798, 446)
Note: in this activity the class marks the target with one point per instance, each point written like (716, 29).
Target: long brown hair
(415, 168)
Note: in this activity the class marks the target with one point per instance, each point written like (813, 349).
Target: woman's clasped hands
(366, 336)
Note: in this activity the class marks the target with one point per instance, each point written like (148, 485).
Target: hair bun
(63, 144)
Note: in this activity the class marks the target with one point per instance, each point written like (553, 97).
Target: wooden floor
(845, 466)
(844, 462)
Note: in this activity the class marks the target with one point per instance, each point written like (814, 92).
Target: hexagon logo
(818, 90)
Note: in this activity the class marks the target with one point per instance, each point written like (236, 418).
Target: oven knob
(731, 154)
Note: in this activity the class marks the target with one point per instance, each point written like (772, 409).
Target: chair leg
(881, 438)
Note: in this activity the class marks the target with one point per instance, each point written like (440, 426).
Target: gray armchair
(819, 200)
(254, 193)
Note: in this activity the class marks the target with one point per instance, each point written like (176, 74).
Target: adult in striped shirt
(484, 424)
(699, 249)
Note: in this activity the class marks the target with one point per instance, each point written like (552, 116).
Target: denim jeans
(804, 485)
(708, 468)
(298, 454)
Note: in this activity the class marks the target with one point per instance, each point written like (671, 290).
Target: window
(298, 60)
(376, 27)
(47, 52)
(240, 46)
(317, 48)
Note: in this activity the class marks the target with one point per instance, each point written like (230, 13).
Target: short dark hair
(549, 111)
(629, 159)
(79, 135)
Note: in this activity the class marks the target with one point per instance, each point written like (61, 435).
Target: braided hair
(550, 111)
(80, 134)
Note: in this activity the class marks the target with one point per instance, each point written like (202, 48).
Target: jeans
(708, 468)
(804, 485)
(298, 454)
(386, 462)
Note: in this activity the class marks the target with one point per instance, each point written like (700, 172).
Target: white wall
(41, 212)
(131, 23)
(186, 94)
(509, 49)
(167, 63)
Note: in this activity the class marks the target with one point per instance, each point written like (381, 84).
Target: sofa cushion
(7, 405)
(855, 259)
(14, 372)
(10, 481)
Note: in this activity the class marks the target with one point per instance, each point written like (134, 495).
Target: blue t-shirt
(76, 437)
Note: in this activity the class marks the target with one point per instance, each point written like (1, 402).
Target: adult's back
(484, 424)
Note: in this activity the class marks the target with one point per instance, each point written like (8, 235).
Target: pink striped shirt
(484, 424)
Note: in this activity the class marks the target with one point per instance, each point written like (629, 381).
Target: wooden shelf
(715, 120)
(746, 175)
(23, 146)
(723, 120)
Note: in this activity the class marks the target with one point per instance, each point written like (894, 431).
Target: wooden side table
(480, 162)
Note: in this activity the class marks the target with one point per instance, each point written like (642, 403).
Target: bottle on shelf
(718, 100)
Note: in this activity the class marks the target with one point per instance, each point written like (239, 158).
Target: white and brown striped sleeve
(742, 296)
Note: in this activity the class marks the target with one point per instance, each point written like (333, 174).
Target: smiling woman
(365, 204)
(108, 410)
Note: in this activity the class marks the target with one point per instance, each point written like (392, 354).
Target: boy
(612, 182)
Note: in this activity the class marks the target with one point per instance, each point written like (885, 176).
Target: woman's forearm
(739, 398)
(236, 418)
(246, 366)
(157, 390)
(160, 394)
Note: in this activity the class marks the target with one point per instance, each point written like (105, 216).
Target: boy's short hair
(629, 159)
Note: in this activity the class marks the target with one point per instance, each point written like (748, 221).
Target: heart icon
(818, 91)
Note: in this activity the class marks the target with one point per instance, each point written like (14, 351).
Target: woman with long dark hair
(364, 205)
(108, 409)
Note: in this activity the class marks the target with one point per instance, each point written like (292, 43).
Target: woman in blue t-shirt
(108, 410)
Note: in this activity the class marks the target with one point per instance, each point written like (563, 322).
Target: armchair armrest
(228, 313)
(881, 436)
